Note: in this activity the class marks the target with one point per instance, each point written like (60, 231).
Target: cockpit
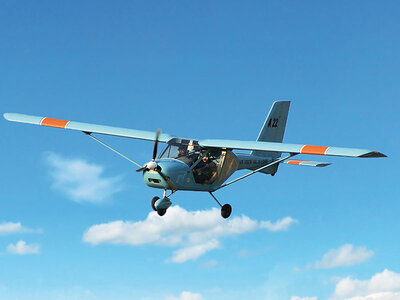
(184, 153)
(209, 166)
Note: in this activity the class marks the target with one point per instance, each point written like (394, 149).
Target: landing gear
(161, 205)
(226, 209)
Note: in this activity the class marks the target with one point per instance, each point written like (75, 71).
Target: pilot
(183, 155)
(182, 151)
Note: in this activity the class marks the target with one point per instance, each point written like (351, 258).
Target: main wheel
(153, 202)
(226, 211)
(161, 211)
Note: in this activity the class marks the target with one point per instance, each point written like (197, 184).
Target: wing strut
(112, 149)
(258, 170)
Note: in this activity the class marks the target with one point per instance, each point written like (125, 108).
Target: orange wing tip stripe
(54, 123)
(316, 150)
(294, 162)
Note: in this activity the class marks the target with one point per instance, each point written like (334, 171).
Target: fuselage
(179, 174)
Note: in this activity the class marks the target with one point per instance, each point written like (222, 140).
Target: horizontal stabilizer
(307, 163)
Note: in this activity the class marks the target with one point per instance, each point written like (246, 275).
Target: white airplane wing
(86, 127)
(224, 144)
(289, 148)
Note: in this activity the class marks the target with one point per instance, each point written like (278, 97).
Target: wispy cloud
(347, 255)
(381, 286)
(22, 248)
(186, 296)
(13, 228)
(282, 224)
(303, 298)
(193, 252)
(210, 264)
(194, 233)
(81, 181)
(247, 253)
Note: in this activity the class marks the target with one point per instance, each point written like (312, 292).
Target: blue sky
(203, 70)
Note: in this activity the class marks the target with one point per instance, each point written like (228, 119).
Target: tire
(226, 211)
(161, 212)
(153, 202)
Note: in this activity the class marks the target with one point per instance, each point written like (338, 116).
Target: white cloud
(186, 296)
(81, 181)
(194, 233)
(193, 252)
(282, 224)
(10, 228)
(22, 248)
(304, 298)
(381, 286)
(346, 255)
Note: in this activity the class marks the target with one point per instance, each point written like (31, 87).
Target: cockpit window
(169, 152)
(187, 154)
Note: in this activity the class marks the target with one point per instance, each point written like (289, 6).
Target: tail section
(274, 127)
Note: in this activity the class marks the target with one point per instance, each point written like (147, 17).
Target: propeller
(155, 148)
(152, 165)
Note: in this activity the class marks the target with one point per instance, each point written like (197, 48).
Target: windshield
(187, 154)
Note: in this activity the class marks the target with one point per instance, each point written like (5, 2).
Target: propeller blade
(156, 144)
(162, 175)
(151, 164)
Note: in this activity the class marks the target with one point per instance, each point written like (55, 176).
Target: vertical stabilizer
(274, 127)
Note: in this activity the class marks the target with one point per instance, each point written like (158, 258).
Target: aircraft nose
(155, 179)
(158, 177)
(166, 174)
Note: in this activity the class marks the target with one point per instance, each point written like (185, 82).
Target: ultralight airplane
(205, 165)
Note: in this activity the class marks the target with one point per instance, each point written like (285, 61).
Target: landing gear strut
(226, 209)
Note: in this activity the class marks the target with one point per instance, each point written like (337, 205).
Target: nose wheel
(161, 211)
(161, 205)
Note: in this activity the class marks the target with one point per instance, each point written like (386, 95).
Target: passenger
(205, 171)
